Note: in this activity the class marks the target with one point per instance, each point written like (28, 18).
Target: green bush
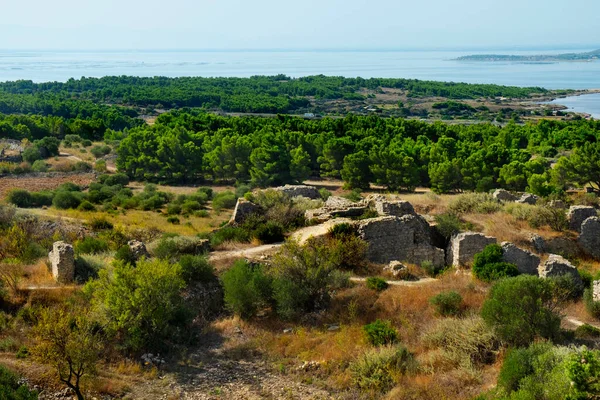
(224, 200)
(241, 190)
(432, 270)
(64, 200)
(521, 309)
(196, 269)
(100, 224)
(100, 150)
(380, 333)
(142, 306)
(173, 248)
(447, 224)
(483, 203)
(173, 220)
(112, 180)
(229, 234)
(189, 206)
(125, 255)
(587, 331)
(173, 209)
(86, 206)
(39, 166)
(90, 245)
(447, 304)
(269, 232)
(375, 283)
(378, 369)
(488, 265)
(592, 307)
(354, 195)
(11, 389)
(247, 289)
(324, 193)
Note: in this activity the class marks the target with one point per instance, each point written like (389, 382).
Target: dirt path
(252, 252)
(422, 281)
(303, 234)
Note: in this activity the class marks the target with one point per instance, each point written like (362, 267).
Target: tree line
(185, 146)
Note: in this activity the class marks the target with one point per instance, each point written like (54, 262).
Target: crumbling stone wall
(62, 258)
(464, 246)
(526, 261)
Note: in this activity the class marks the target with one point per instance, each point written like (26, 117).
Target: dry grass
(137, 219)
(36, 183)
(139, 186)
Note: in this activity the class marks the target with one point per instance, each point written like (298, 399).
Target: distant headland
(588, 56)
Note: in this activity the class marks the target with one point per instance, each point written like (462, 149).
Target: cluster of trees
(274, 94)
(400, 154)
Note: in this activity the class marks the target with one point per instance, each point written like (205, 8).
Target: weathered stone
(557, 204)
(396, 269)
(504, 195)
(528, 198)
(404, 238)
(244, 209)
(336, 207)
(578, 214)
(596, 290)
(300, 190)
(526, 262)
(563, 245)
(138, 249)
(397, 208)
(464, 246)
(538, 243)
(589, 238)
(557, 266)
(62, 258)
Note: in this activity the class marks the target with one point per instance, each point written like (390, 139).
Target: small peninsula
(587, 56)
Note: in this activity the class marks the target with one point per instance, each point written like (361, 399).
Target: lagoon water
(44, 66)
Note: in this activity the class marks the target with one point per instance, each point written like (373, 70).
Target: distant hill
(589, 56)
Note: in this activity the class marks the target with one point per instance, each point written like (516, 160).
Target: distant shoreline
(537, 58)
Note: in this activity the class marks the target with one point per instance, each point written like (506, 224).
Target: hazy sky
(309, 24)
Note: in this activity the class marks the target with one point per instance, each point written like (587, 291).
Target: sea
(438, 65)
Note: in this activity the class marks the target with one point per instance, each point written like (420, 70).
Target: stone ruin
(310, 192)
(526, 261)
(138, 249)
(504, 195)
(336, 207)
(62, 258)
(596, 291)
(406, 238)
(589, 238)
(243, 209)
(464, 246)
(395, 208)
(577, 214)
(557, 266)
(528, 198)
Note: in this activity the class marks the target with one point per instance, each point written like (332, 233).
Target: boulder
(62, 258)
(244, 209)
(397, 208)
(557, 266)
(596, 290)
(464, 246)
(528, 198)
(396, 269)
(557, 204)
(589, 238)
(336, 203)
(578, 214)
(138, 249)
(537, 242)
(406, 238)
(526, 261)
(563, 245)
(300, 191)
(504, 195)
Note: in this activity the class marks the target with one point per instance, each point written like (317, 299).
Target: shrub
(378, 284)
(538, 216)
(324, 193)
(82, 166)
(116, 179)
(202, 214)
(447, 303)
(100, 166)
(483, 203)
(87, 267)
(592, 307)
(247, 289)
(31, 154)
(39, 166)
(432, 270)
(173, 248)
(354, 195)
(196, 269)
(86, 206)
(12, 389)
(380, 333)
(190, 206)
(587, 331)
(488, 265)
(229, 234)
(99, 224)
(90, 245)
(173, 220)
(207, 191)
(241, 190)
(521, 309)
(224, 200)
(465, 343)
(100, 150)
(173, 209)
(141, 305)
(20, 198)
(64, 200)
(269, 232)
(447, 224)
(378, 369)
(125, 255)
(342, 230)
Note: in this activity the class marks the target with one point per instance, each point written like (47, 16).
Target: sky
(308, 24)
